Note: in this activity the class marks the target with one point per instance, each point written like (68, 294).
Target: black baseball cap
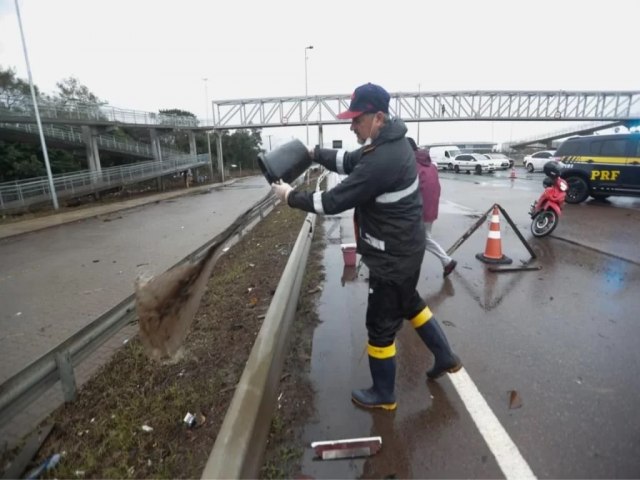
(367, 98)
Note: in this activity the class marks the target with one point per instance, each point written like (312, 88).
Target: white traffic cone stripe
(495, 219)
(494, 235)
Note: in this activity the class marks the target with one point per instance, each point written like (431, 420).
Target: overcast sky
(148, 55)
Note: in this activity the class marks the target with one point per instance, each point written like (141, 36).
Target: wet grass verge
(128, 419)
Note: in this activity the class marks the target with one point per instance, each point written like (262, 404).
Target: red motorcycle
(545, 213)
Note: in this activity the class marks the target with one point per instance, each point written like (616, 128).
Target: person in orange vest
(382, 188)
(430, 191)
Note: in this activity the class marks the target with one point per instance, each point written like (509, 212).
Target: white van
(444, 155)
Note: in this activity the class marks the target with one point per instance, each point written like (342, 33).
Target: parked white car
(473, 162)
(536, 161)
(503, 162)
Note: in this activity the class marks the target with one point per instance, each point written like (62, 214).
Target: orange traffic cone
(493, 250)
(513, 173)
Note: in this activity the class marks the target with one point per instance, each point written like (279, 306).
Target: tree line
(21, 159)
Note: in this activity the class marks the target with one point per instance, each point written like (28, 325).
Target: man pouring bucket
(382, 186)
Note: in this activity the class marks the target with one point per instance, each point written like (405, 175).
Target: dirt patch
(106, 432)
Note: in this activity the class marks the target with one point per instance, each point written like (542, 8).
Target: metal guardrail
(57, 365)
(241, 441)
(22, 193)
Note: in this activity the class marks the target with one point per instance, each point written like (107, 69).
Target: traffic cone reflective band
(493, 250)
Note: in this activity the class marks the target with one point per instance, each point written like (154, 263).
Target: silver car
(473, 162)
(535, 162)
(501, 161)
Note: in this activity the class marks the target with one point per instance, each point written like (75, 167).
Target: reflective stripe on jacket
(382, 186)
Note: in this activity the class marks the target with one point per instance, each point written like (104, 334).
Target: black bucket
(286, 163)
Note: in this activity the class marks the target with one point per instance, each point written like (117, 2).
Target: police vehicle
(600, 166)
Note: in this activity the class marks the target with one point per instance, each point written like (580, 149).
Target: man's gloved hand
(282, 190)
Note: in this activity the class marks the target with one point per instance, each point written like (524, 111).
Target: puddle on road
(447, 206)
(429, 414)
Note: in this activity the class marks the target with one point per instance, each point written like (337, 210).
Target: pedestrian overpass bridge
(323, 110)
(434, 107)
(603, 107)
(63, 136)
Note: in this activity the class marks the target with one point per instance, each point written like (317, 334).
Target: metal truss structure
(322, 110)
(434, 107)
(579, 129)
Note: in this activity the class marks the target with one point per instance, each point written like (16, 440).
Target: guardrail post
(33, 381)
(67, 377)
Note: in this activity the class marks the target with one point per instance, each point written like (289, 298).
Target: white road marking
(511, 462)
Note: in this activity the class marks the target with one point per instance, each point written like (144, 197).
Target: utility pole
(310, 47)
(54, 197)
(206, 99)
(418, 113)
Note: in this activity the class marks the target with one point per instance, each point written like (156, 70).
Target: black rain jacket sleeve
(382, 187)
(364, 182)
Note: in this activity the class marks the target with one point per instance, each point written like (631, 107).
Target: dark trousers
(389, 303)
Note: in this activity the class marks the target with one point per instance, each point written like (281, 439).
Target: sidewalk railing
(91, 114)
(20, 194)
(74, 135)
(71, 135)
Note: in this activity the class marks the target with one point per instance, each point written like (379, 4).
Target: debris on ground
(49, 464)
(131, 387)
(193, 420)
(514, 400)
(29, 450)
(347, 448)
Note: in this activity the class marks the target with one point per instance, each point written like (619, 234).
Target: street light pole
(206, 115)
(54, 197)
(419, 104)
(206, 98)
(310, 47)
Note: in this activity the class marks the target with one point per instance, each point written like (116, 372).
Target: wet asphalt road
(55, 281)
(564, 338)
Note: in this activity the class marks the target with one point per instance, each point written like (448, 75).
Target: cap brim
(348, 115)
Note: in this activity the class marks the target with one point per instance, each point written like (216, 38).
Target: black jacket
(382, 186)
